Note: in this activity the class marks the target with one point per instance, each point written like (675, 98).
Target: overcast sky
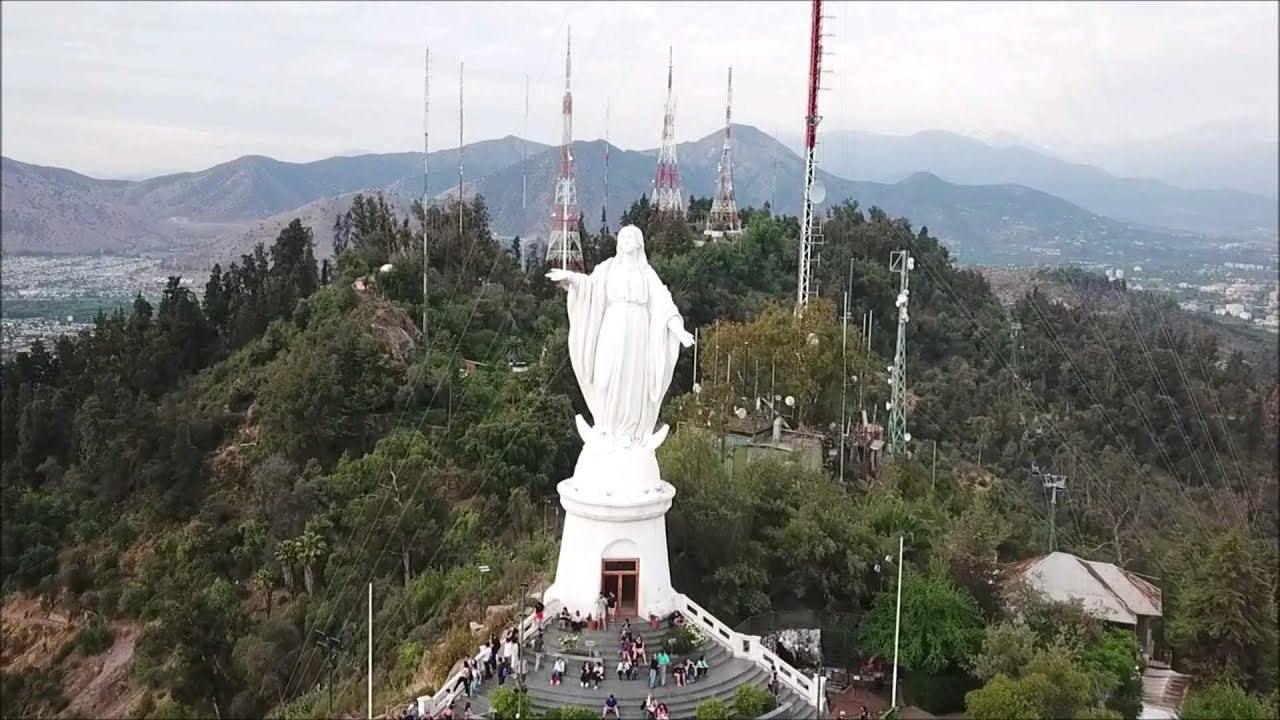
(123, 88)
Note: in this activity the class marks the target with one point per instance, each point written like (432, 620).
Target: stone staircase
(1164, 688)
(725, 676)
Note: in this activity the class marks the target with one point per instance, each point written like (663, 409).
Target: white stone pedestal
(615, 509)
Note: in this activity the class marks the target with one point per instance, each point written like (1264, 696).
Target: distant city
(44, 297)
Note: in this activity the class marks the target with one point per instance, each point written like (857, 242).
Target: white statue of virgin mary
(624, 336)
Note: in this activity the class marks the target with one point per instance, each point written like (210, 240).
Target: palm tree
(265, 579)
(286, 554)
(311, 547)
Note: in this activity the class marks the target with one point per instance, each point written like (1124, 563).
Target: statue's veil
(632, 232)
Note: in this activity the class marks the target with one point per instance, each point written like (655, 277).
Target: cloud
(124, 88)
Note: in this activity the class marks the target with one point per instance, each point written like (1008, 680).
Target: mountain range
(966, 161)
(1013, 206)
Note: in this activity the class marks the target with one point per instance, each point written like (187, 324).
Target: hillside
(966, 161)
(193, 490)
(220, 213)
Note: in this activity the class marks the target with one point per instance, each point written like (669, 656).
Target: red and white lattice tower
(564, 247)
(723, 220)
(810, 222)
(666, 181)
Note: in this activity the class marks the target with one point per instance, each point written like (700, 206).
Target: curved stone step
(637, 689)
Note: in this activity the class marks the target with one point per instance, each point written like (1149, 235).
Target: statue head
(631, 243)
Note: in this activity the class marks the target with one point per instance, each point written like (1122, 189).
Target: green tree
(941, 625)
(1224, 701)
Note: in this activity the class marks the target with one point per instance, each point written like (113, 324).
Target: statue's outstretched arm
(565, 278)
(676, 326)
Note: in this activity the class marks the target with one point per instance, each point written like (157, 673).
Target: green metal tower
(901, 262)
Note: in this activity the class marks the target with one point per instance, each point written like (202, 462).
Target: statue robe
(622, 351)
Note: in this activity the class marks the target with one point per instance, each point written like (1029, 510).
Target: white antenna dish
(817, 192)
(697, 388)
(906, 436)
(740, 412)
(386, 268)
(790, 401)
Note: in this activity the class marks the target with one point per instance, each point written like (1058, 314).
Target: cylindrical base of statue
(615, 537)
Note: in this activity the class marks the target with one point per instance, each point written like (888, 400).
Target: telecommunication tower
(723, 221)
(460, 150)
(426, 195)
(524, 182)
(810, 227)
(666, 181)
(604, 211)
(901, 262)
(564, 246)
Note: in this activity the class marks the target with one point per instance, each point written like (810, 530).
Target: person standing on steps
(663, 661)
(613, 606)
(602, 610)
(537, 650)
(653, 673)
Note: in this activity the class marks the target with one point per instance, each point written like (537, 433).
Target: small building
(1108, 592)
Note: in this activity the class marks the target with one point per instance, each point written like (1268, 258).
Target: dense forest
(219, 476)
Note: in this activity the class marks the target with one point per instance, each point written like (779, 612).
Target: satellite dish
(697, 387)
(817, 192)
(740, 412)
(386, 268)
(790, 401)
(906, 436)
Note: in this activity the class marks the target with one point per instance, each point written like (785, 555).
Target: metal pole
(897, 626)
(695, 356)
(935, 466)
(369, 689)
(844, 376)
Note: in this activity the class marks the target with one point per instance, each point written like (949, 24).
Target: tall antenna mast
(426, 195)
(604, 212)
(565, 246)
(773, 188)
(901, 262)
(666, 181)
(459, 151)
(810, 234)
(722, 221)
(524, 180)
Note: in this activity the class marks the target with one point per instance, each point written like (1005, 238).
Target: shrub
(95, 637)
(506, 703)
(750, 702)
(1224, 701)
(570, 713)
(685, 640)
(711, 710)
(939, 693)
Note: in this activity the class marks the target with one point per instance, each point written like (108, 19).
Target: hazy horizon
(130, 89)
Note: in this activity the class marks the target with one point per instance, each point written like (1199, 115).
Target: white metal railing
(449, 691)
(750, 648)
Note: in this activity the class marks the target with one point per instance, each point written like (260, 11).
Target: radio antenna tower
(604, 211)
(901, 262)
(666, 181)
(459, 151)
(426, 195)
(773, 187)
(723, 219)
(524, 180)
(564, 246)
(810, 230)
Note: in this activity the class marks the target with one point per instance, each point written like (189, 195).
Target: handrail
(749, 647)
